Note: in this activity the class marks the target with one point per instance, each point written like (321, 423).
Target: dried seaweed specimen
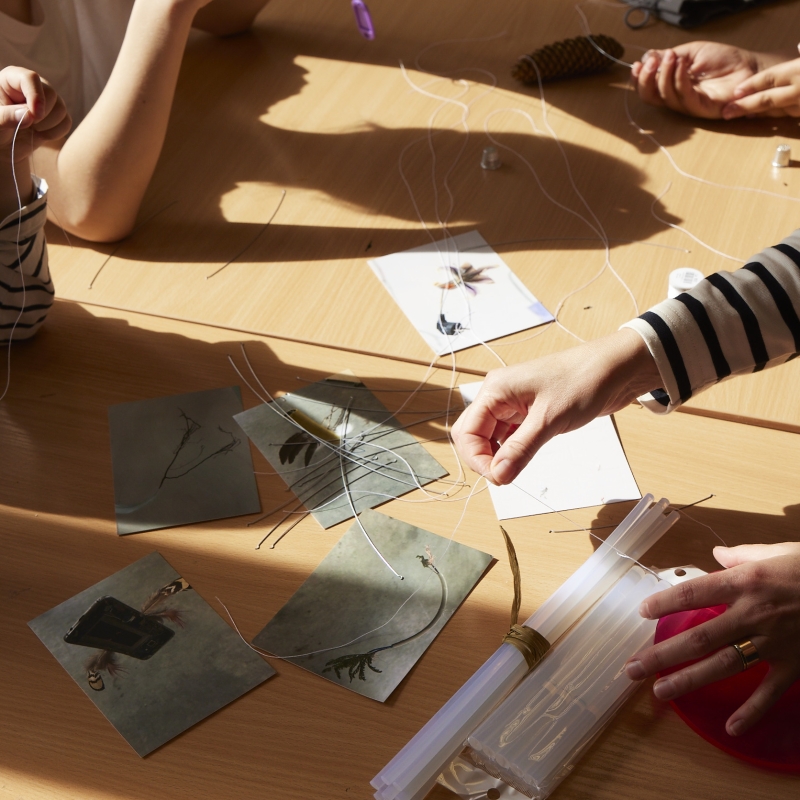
(187, 438)
(357, 663)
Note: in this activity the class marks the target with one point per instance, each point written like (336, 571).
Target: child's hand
(25, 96)
(698, 78)
(773, 92)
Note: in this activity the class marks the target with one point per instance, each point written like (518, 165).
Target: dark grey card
(180, 459)
(149, 652)
(352, 593)
(369, 456)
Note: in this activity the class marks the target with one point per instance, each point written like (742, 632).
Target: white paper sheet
(484, 301)
(583, 468)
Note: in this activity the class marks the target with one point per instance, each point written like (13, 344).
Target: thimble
(490, 158)
(783, 155)
(681, 280)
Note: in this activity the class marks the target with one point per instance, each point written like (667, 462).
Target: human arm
(99, 175)
(761, 587)
(699, 79)
(729, 324)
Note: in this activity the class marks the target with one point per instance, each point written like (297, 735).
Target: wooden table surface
(298, 736)
(304, 105)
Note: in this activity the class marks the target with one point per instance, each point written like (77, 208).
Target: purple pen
(363, 19)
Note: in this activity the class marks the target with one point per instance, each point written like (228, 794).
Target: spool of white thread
(681, 280)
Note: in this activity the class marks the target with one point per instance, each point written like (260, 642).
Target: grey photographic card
(334, 443)
(357, 624)
(180, 459)
(149, 652)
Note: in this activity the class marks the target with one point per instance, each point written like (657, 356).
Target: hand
(698, 78)
(773, 92)
(25, 96)
(761, 587)
(555, 394)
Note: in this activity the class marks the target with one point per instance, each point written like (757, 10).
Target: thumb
(10, 116)
(515, 453)
(733, 556)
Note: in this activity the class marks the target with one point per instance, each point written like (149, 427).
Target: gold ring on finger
(748, 652)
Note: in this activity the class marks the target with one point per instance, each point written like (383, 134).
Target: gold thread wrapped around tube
(529, 642)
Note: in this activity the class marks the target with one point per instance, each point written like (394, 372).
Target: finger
(776, 682)
(473, 435)
(647, 85)
(761, 102)
(20, 85)
(722, 664)
(57, 117)
(709, 590)
(733, 556)
(687, 96)
(690, 645)
(779, 75)
(519, 448)
(666, 82)
(10, 116)
(53, 134)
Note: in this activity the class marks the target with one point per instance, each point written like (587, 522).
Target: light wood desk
(305, 105)
(298, 736)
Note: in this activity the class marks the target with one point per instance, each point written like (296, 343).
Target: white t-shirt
(72, 43)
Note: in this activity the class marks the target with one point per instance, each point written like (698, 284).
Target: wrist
(634, 368)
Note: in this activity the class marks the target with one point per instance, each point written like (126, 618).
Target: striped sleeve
(26, 289)
(732, 323)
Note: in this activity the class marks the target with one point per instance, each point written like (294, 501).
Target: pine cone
(568, 59)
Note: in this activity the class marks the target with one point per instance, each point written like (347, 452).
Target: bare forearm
(100, 174)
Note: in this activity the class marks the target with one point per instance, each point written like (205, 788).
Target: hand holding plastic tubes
(760, 588)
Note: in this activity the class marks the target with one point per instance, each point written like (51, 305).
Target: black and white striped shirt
(26, 290)
(731, 323)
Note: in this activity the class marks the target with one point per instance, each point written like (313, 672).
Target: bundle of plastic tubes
(413, 771)
(537, 734)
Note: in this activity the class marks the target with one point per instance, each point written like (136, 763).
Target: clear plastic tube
(414, 770)
(535, 736)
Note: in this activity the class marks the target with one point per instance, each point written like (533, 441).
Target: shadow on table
(221, 140)
(54, 419)
(701, 528)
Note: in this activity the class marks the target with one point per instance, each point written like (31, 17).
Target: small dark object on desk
(568, 59)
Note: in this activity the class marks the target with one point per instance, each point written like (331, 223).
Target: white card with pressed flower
(458, 293)
(356, 623)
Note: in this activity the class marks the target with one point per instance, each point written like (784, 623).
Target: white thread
(688, 233)
(358, 638)
(19, 254)
(589, 36)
